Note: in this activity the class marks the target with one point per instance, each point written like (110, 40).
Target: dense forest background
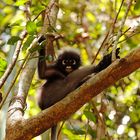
(94, 28)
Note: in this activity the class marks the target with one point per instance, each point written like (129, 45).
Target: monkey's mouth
(69, 69)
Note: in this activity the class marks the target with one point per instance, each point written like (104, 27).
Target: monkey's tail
(54, 132)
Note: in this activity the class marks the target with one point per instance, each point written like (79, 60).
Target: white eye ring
(64, 62)
(73, 61)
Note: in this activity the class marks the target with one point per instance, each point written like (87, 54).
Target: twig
(99, 117)
(13, 82)
(60, 129)
(15, 57)
(125, 31)
(27, 10)
(87, 125)
(38, 15)
(116, 17)
(127, 37)
(103, 43)
(120, 31)
(50, 15)
(109, 33)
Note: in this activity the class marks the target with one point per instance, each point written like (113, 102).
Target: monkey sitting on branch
(64, 76)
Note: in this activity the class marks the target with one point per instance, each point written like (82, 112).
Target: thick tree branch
(71, 103)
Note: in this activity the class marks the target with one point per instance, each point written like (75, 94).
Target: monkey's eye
(64, 62)
(73, 62)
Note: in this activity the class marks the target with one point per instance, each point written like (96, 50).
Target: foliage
(82, 25)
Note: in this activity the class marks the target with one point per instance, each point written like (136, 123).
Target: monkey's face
(68, 61)
(69, 65)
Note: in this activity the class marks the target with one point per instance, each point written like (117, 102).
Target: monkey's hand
(108, 57)
(106, 61)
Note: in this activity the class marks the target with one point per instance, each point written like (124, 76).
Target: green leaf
(90, 16)
(131, 43)
(137, 5)
(20, 2)
(38, 47)
(13, 40)
(31, 27)
(89, 115)
(28, 42)
(92, 132)
(34, 49)
(3, 65)
(78, 131)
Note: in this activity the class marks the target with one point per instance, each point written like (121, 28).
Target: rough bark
(29, 128)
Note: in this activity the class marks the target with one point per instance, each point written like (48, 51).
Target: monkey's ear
(117, 53)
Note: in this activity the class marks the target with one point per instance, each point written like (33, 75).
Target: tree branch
(120, 30)
(14, 60)
(71, 103)
(15, 114)
(50, 16)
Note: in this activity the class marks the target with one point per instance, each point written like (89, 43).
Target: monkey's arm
(79, 76)
(47, 71)
(104, 63)
(42, 64)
